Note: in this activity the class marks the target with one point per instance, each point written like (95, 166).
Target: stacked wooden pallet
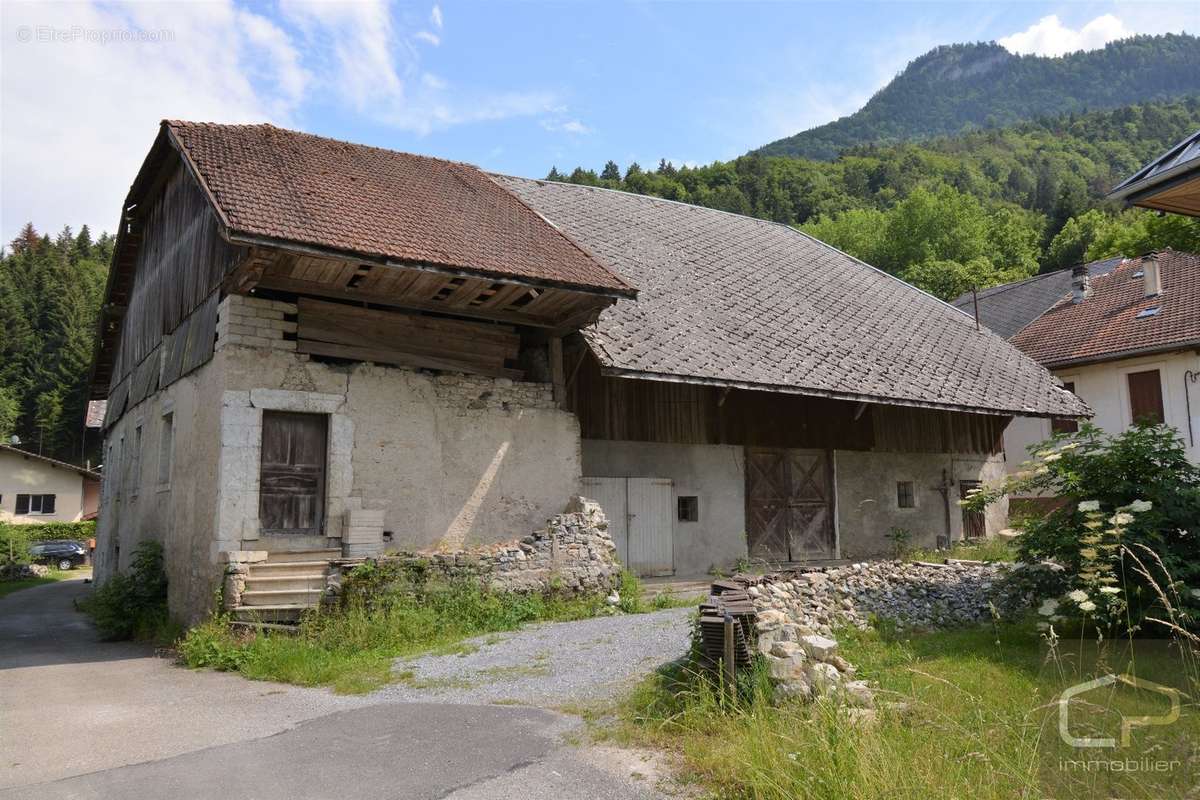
(727, 611)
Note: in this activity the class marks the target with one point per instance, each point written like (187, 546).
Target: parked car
(62, 553)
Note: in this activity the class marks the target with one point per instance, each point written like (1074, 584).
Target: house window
(689, 508)
(135, 462)
(906, 495)
(166, 443)
(35, 504)
(1145, 397)
(292, 473)
(1065, 424)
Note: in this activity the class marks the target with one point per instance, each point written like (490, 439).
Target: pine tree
(611, 172)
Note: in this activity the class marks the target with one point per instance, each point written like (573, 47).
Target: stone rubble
(573, 556)
(796, 613)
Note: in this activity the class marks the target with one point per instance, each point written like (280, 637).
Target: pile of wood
(727, 625)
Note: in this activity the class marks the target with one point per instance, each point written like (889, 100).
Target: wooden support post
(557, 376)
(730, 654)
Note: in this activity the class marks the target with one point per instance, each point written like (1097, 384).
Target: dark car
(63, 553)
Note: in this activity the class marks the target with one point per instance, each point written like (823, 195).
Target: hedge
(46, 531)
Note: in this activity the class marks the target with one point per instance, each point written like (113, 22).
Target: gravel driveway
(551, 665)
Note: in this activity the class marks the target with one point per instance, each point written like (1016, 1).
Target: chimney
(1081, 285)
(1151, 277)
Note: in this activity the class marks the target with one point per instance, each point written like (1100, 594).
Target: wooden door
(974, 524)
(292, 476)
(768, 487)
(611, 494)
(651, 546)
(810, 505)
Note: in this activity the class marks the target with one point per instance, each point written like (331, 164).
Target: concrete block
(287, 400)
(243, 556)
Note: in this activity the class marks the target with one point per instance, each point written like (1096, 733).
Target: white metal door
(611, 494)
(651, 549)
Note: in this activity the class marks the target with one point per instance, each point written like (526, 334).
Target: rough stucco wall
(29, 476)
(714, 473)
(452, 460)
(1106, 389)
(179, 513)
(867, 502)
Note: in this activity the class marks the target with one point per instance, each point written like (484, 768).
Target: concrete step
(257, 583)
(273, 597)
(274, 614)
(288, 568)
(280, 556)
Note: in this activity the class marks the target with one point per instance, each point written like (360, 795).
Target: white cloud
(558, 125)
(1050, 37)
(431, 38)
(82, 105)
(80, 109)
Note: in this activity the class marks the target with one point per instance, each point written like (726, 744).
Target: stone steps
(272, 597)
(323, 555)
(280, 589)
(258, 583)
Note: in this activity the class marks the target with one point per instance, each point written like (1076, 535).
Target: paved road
(80, 718)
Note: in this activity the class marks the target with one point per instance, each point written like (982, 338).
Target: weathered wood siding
(180, 262)
(626, 409)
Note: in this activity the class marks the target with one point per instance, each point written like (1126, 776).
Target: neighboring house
(1127, 342)
(1008, 308)
(1169, 183)
(36, 489)
(313, 344)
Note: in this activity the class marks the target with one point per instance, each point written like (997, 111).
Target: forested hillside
(959, 87)
(50, 293)
(975, 209)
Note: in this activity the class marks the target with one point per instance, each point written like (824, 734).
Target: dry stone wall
(796, 613)
(572, 555)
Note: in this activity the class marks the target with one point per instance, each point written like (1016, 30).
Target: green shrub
(1132, 497)
(14, 545)
(133, 605)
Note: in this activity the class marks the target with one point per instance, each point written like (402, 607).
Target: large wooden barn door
(810, 505)
(789, 504)
(292, 481)
(613, 496)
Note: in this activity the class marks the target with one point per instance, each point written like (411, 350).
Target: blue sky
(513, 87)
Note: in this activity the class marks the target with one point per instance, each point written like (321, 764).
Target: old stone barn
(311, 348)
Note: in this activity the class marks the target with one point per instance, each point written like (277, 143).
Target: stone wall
(572, 555)
(796, 613)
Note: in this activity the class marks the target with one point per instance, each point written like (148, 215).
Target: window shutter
(1145, 396)
(1065, 425)
(22, 504)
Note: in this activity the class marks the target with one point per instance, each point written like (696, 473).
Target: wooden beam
(384, 356)
(556, 370)
(313, 289)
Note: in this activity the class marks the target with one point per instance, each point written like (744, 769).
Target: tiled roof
(1183, 157)
(1106, 324)
(54, 462)
(733, 300)
(283, 185)
(1008, 308)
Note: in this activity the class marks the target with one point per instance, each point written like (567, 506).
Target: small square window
(689, 508)
(906, 495)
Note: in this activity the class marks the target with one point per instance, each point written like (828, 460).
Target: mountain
(947, 213)
(959, 87)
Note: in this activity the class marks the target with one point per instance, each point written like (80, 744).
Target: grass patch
(352, 648)
(975, 715)
(993, 549)
(55, 575)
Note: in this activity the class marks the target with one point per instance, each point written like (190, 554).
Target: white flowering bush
(1128, 531)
